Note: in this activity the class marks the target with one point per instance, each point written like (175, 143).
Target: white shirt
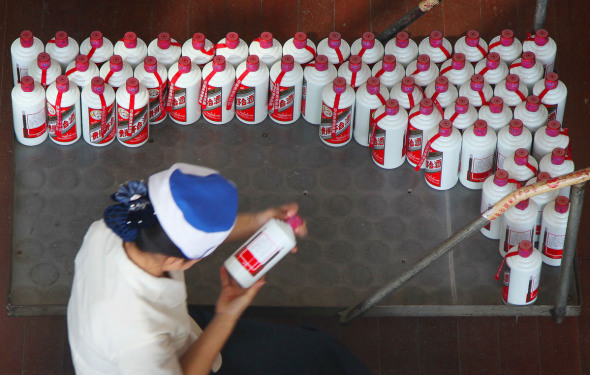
(121, 319)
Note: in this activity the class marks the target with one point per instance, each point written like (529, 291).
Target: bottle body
(63, 118)
(541, 200)
(99, 55)
(167, 56)
(472, 54)
(183, 95)
(29, 115)
(96, 133)
(456, 76)
(371, 55)
(477, 98)
(81, 79)
(421, 128)
(290, 94)
(157, 85)
(438, 55)
(523, 279)
(511, 98)
(302, 56)
(269, 56)
(533, 120)
(442, 162)
(552, 236)
(545, 54)
(528, 76)
(200, 57)
(116, 79)
(50, 75)
(23, 57)
(477, 158)
(491, 193)
(520, 173)
(404, 55)
(508, 144)
(389, 79)
(461, 120)
(495, 121)
(63, 55)
(234, 56)
(406, 100)
(354, 80)
(136, 132)
(544, 144)
(365, 106)
(517, 225)
(423, 78)
(556, 170)
(554, 100)
(341, 133)
(389, 149)
(507, 53)
(492, 76)
(331, 54)
(252, 95)
(217, 93)
(314, 82)
(132, 56)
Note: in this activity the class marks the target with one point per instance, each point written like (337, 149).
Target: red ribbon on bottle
(171, 90)
(529, 38)
(508, 255)
(568, 149)
(380, 73)
(334, 129)
(109, 75)
(353, 79)
(176, 44)
(161, 89)
(483, 98)
(69, 72)
(445, 51)
(340, 57)
(425, 152)
(381, 98)
(513, 181)
(494, 45)
(543, 93)
(437, 104)
(103, 115)
(203, 94)
(520, 95)
(447, 69)
(415, 71)
(483, 51)
(59, 122)
(52, 40)
(91, 52)
(131, 112)
(310, 49)
(454, 117)
(273, 104)
(373, 124)
(220, 45)
(515, 65)
(411, 98)
(234, 90)
(362, 52)
(484, 71)
(210, 52)
(44, 78)
(531, 167)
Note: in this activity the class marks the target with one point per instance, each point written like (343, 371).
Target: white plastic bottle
(23, 53)
(520, 166)
(441, 93)
(336, 128)
(532, 115)
(218, 80)
(28, 112)
(233, 48)
(422, 125)
(286, 86)
(423, 71)
(477, 91)
(389, 71)
(553, 94)
(116, 72)
(442, 157)
(557, 165)
(511, 138)
(268, 49)
(369, 97)
(301, 48)
(472, 46)
(496, 114)
(98, 48)
(494, 188)
(98, 113)
(154, 76)
(541, 201)
(45, 70)
(388, 135)
(184, 79)
(262, 251)
(62, 49)
(477, 155)
(437, 47)
(63, 111)
(368, 48)
(528, 69)
(406, 93)
(543, 47)
(511, 90)
(251, 91)
(518, 224)
(549, 137)
(553, 228)
(334, 48)
(316, 76)
(492, 69)
(200, 49)
(132, 49)
(132, 113)
(81, 71)
(403, 48)
(462, 115)
(165, 49)
(355, 71)
(521, 283)
(456, 70)
(507, 46)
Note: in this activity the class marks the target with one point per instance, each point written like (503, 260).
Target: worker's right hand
(234, 299)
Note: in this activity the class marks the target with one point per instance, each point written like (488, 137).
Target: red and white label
(246, 102)
(505, 286)
(433, 171)
(213, 108)
(258, 252)
(479, 168)
(34, 124)
(135, 133)
(533, 289)
(284, 111)
(178, 111)
(64, 130)
(551, 111)
(342, 125)
(156, 102)
(378, 149)
(415, 139)
(304, 96)
(513, 238)
(99, 134)
(552, 245)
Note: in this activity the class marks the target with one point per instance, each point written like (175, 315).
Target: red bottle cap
(287, 63)
(300, 40)
(252, 63)
(96, 39)
(515, 127)
(532, 103)
(82, 63)
(339, 85)
(355, 63)
(501, 177)
(507, 37)
(219, 63)
(266, 40)
(445, 128)
(27, 84)
(408, 84)
(436, 38)
(521, 156)
(543, 176)
(232, 40)
(150, 64)
(130, 39)
(458, 61)
(402, 39)
(562, 204)
(426, 106)
(132, 85)
(373, 85)
(493, 61)
(321, 63)
(423, 63)
(551, 80)
(392, 107)
(368, 40)
(461, 105)
(558, 156)
(389, 63)
(528, 60)
(525, 247)
(184, 64)
(43, 61)
(198, 41)
(294, 221)
(26, 38)
(472, 38)
(441, 84)
(477, 82)
(62, 83)
(480, 128)
(541, 37)
(61, 39)
(522, 205)
(97, 85)
(164, 40)
(512, 82)
(553, 128)
(116, 63)
(334, 39)
(496, 104)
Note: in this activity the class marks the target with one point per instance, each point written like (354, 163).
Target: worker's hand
(283, 213)
(234, 299)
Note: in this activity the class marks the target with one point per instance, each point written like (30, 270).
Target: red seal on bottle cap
(116, 63)
(321, 63)
(232, 40)
(426, 106)
(458, 61)
(522, 205)
(368, 40)
(198, 41)
(441, 84)
(562, 204)
(553, 128)
(551, 80)
(355, 63)
(477, 82)
(287, 63)
(521, 156)
(43, 61)
(164, 40)
(461, 105)
(423, 63)
(525, 247)
(512, 82)
(252, 63)
(507, 37)
(266, 40)
(436, 38)
(543, 176)
(294, 221)
(480, 128)
(184, 64)
(472, 38)
(389, 63)
(150, 64)
(501, 177)
(130, 39)
(528, 60)
(82, 63)
(402, 39)
(61, 39)
(541, 37)
(373, 85)
(219, 63)
(339, 85)
(392, 107)
(493, 60)
(558, 156)
(97, 85)
(132, 85)
(334, 39)
(408, 84)
(532, 103)
(62, 83)
(300, 40)
(496, 104)
(27, 84)
(96, 39)
(26, 39)
(515, 127)
(445, 128)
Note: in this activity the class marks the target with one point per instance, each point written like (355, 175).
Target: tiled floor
(38, 345)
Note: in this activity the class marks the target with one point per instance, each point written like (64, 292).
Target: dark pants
(260, 348)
